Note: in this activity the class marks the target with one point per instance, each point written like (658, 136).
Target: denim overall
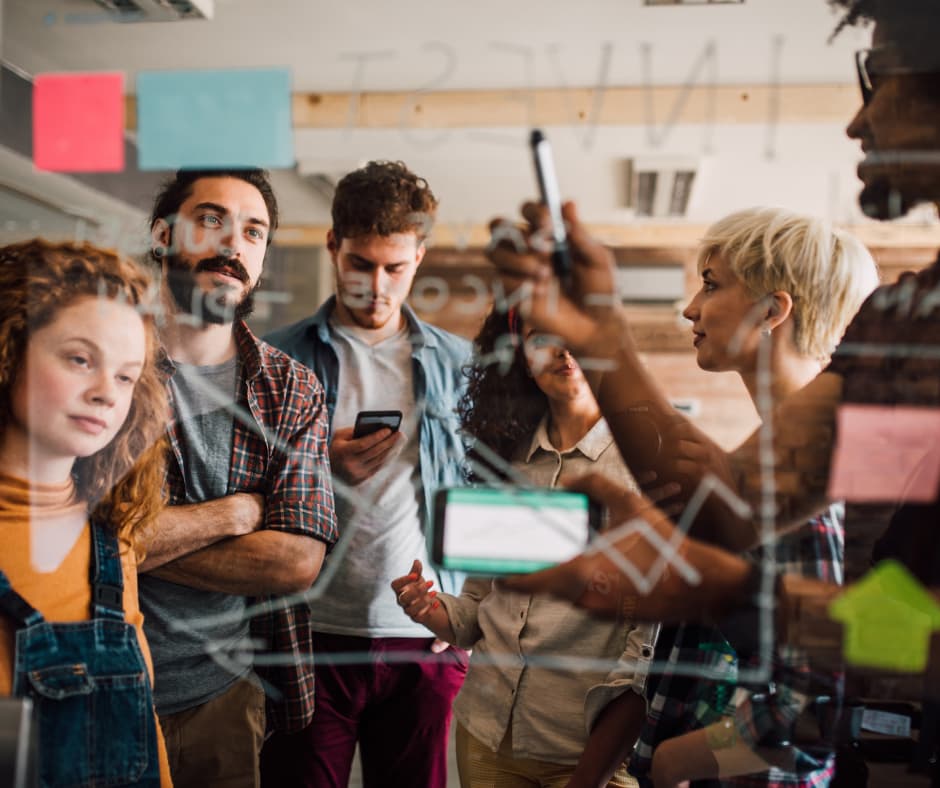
(89, 683)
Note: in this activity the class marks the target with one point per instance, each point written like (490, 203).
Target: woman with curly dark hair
(82, 415)
(530, 412)
(502, 404)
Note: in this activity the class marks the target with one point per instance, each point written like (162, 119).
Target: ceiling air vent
(651, 284)
(660, 187)
(157, 10)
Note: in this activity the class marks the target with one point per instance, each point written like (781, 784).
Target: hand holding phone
(504, 530)
(551, 196)
(357, 453)
(369, 421)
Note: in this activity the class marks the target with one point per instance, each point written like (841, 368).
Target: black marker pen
(548, 187)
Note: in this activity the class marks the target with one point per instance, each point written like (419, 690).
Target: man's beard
(895, 182)
(208, 307)
(880, 200)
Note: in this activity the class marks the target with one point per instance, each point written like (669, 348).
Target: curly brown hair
(502, 404)
(123, 482)
(382, 198)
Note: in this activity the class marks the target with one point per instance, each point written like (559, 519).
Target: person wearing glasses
(886, 359)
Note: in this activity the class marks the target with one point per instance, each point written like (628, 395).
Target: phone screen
(509, 531)
(369, 421)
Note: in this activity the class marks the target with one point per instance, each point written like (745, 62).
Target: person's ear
(419, 253)
(332, 245)
(160, 239)
(779, 308)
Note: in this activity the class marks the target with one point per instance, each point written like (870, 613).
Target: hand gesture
(416, 597)
(577, 310)
(653, 573)
(414, 594)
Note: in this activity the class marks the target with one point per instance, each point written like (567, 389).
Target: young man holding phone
(372, 353)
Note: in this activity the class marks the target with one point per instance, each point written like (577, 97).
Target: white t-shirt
(383, 512)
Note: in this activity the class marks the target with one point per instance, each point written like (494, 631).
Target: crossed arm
(197, 546)
(187, 528)
(254, 545)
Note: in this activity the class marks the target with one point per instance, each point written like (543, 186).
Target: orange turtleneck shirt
(58, 587)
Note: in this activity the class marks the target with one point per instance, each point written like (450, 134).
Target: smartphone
(504, 530)
(369, 421)
(551, 196)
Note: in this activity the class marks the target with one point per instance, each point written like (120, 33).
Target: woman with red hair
(82, 414)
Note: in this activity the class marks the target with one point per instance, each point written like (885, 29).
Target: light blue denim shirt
(438, 358)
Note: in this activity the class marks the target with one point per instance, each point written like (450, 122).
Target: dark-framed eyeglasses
(864, 78)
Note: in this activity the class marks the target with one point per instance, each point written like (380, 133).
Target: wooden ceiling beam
(608, 106)
(887, 235)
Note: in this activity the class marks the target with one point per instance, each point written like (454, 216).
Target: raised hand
(414, 594)
(417, 598)
(577, 310)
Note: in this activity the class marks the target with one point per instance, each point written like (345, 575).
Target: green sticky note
(888, 618)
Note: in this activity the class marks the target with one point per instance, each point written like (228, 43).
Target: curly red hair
(123, 482)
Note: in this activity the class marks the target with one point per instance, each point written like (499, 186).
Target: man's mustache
(223, 265)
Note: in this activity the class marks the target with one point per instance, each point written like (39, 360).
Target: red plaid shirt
(283, 453)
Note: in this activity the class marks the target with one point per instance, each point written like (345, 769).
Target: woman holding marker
(82, 414)
(572, 723)
(777, 292)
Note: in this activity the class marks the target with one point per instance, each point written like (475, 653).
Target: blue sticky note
(214, 119)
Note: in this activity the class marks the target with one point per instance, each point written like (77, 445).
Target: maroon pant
(391, 695)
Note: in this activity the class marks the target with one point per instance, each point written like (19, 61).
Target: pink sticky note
(886, 454)
(78, 122)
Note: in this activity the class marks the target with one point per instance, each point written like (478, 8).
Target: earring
(765, 331)
(159, 252)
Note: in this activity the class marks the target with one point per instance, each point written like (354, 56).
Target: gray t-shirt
(192, 663)
(383, 512)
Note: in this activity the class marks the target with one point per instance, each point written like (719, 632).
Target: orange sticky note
(887, 454)
(78, 122)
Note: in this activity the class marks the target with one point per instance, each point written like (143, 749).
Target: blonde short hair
(828, 272)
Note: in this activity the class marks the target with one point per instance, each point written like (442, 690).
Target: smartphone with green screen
(505, 530)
